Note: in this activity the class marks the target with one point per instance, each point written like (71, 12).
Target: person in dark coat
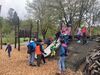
(9, 49)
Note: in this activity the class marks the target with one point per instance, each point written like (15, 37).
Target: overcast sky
(18, 5)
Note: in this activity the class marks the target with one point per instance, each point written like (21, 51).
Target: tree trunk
(64, 13)
(43, 36)
(81, 13)
(18, 39)
(1, 39)
(30, 32)
(60, 25)
(15, 36)
(44, 33)
(37, 29)
(24, 35)
(73, 32)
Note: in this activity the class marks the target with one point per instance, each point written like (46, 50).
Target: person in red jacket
(84, 32)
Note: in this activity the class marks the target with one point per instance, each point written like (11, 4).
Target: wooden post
(1, 31)
(30, 31)
(37, 29)
(1, 39)
(15, 36)
(18, 35)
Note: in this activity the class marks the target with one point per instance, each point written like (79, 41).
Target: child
(42, 57)
(84, 35)
(9, 49)
(79, 33)
(39, 52)
(53, 52)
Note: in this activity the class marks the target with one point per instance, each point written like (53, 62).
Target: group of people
(35, 50)
(82, 35)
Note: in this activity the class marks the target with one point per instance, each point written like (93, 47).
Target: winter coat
(31, 47)
(9, 48)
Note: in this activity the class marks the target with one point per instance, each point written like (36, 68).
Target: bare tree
(15, 20)
(43, 14)
(71, 11)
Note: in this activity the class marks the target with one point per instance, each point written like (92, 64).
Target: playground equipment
(48, 51)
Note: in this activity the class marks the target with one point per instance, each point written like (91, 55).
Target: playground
(18, 63)
(50, 37)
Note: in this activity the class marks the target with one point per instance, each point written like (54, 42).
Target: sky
(18, 5)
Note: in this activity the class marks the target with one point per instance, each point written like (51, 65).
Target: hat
(31, 41)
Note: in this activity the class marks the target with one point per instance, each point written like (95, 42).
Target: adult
(31, 51)
(62, 54)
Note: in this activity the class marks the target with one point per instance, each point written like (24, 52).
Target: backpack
(30, 49)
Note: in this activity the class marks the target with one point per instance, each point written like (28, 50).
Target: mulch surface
(18, 65)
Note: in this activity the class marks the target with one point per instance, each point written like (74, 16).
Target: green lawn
(11, 40)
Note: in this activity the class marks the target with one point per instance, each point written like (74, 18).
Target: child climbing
(79, 33)
(84, 35)
(53, 50)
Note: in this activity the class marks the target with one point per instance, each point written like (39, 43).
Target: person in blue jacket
(9, 49)
(31, 51)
